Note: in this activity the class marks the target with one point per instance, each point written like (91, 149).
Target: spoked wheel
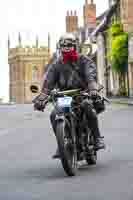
(91, 157)
(67, 147)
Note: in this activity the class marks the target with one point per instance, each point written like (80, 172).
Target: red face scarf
(71, 56)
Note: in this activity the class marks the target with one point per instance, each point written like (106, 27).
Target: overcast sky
(31, 18)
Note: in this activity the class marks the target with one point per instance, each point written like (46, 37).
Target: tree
(119, 53)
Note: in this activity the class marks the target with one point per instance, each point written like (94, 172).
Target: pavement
(124, 101)
(27, 171)
(114, 100)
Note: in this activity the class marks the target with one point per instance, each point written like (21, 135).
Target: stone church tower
(89, 13)
(71, 22)
(26, 66)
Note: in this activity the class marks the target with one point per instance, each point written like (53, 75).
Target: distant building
(89, 24)
(71, 22)
(89, 12)
(26, 67)
(126, 7)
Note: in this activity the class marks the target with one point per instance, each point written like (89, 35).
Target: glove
(40, 102)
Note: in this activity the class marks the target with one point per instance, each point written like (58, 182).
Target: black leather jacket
(81, 74)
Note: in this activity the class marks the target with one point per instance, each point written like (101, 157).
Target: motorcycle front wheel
(67, 147)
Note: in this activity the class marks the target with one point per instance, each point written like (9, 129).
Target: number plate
(64, 101)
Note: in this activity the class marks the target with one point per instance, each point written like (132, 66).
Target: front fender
(60, 118)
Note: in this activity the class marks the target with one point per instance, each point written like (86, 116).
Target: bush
(118, 54)
(119, 48)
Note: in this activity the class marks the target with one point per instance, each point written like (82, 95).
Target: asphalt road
(27, 171)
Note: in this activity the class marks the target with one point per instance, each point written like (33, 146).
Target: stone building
(26, 66)
(105, 75)
(126, 12)
(125, 15)
(118, 10)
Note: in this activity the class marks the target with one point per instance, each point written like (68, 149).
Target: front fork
(59, 117)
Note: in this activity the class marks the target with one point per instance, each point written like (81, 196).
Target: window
(34, 73)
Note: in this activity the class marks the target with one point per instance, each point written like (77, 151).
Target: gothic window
(34, 73)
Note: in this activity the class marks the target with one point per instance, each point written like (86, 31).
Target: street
(28, 172)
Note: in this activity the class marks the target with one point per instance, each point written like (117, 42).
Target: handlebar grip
(106, 99)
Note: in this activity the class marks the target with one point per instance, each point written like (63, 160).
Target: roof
(100, 17)
(105, 19)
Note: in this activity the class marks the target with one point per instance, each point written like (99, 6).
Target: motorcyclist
(71, 71)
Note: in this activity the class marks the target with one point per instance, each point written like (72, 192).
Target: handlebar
(106, 99)
(66, 92)
(56, 93)
(73, 91)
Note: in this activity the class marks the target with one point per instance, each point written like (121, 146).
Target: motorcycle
(74, 138)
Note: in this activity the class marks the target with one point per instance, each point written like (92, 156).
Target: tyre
(67, 147)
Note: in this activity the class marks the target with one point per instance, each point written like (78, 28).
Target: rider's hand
(40, 102)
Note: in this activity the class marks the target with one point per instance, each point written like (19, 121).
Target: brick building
(89, 13)
(71, 22)
(89, 21)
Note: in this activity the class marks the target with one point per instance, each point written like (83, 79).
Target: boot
(56, 155)
(99, 143)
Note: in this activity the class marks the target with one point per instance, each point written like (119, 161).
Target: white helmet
(67, 40)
